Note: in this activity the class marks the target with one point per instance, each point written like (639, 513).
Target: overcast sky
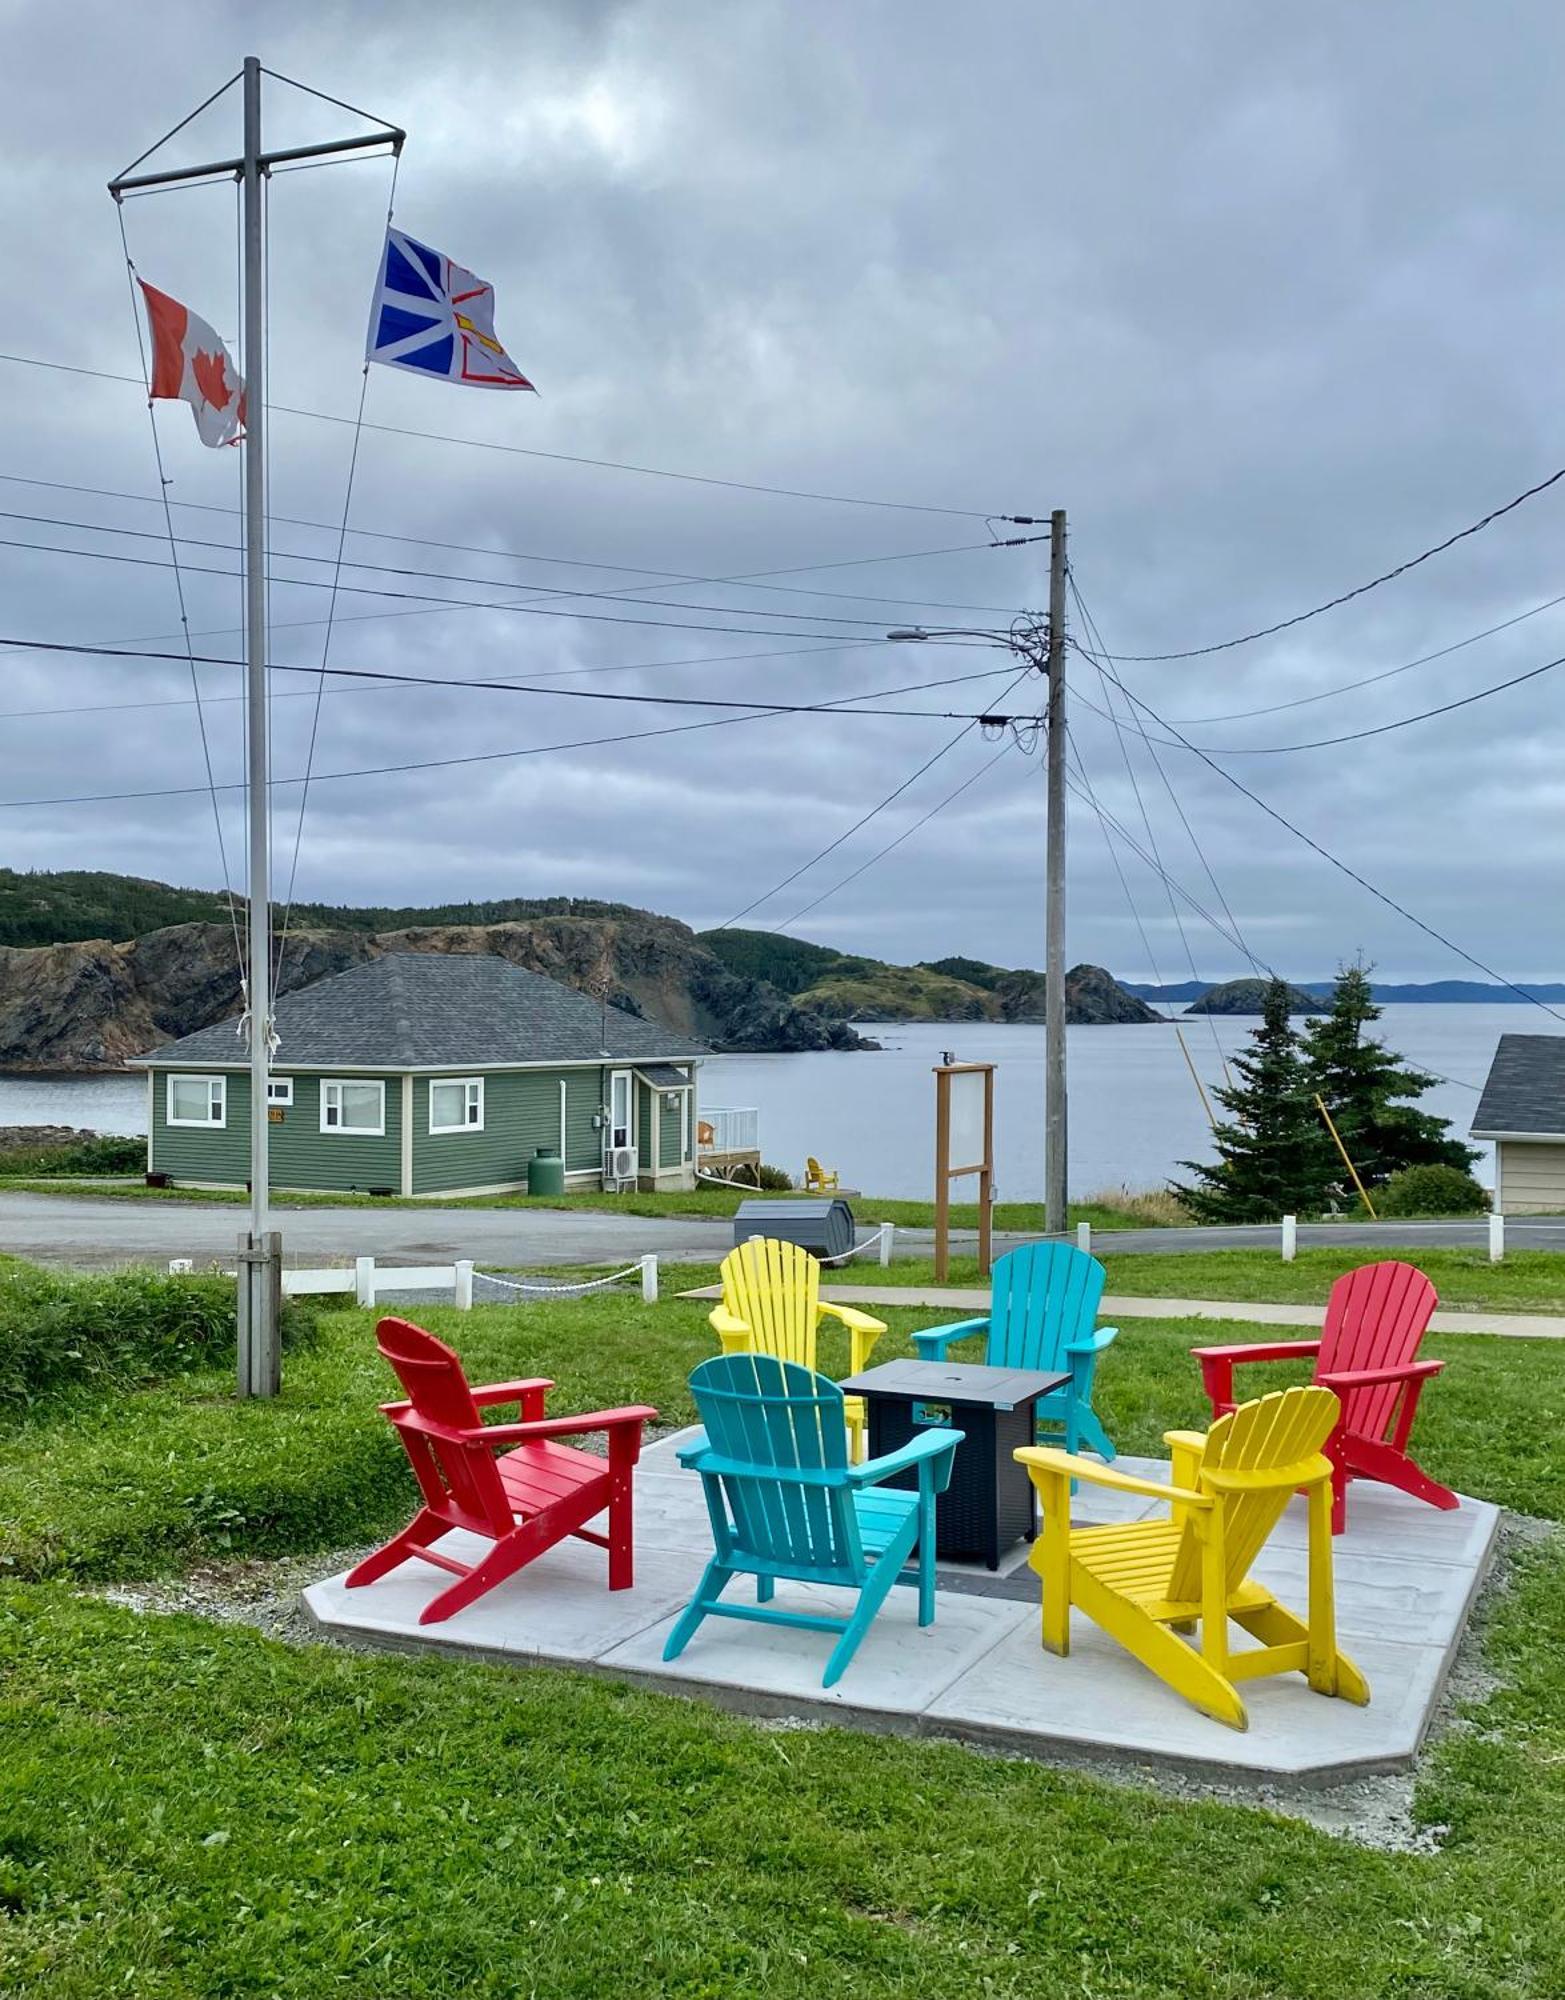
(1268, 299)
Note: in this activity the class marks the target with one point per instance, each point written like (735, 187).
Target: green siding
(670, 1154)
(587, 1089)
(644, 1114)
(302, 1155)
(521, 1113)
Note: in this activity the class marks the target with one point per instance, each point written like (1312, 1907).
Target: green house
(430, 1074)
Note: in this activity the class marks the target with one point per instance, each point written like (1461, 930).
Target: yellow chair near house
(817, 1179)
(1146, 1582)
(772, 1305)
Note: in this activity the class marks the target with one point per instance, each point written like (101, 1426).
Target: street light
(1045, 651)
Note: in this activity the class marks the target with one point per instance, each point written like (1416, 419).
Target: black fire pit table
(990, 1502)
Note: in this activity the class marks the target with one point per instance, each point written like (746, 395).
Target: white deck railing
(733, 1131)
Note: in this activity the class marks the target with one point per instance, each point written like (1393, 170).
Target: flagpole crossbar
(392, 136)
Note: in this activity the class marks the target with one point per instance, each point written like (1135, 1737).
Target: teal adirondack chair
(1043, 1310)
(785, 1501)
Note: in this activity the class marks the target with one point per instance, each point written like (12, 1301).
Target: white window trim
(468, 1085)
(217, 1092)
(331, 1091)
(279, 1090)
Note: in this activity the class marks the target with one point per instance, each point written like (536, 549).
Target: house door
(621, 1101)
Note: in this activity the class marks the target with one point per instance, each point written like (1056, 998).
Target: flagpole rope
(184, 615)
(331, 615)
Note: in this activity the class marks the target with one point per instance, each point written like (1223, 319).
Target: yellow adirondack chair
(817, 1180)
(772, 1305)
(1145, 1582)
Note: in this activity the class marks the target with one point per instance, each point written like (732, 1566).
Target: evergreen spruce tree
(1270, 1161)
(1370, 1091)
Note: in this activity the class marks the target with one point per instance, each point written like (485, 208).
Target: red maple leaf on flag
(211, 373)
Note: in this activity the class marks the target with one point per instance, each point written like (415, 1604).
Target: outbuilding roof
(1524, 1095)
(437, 1010)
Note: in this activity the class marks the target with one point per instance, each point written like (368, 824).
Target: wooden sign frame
(946, 1171)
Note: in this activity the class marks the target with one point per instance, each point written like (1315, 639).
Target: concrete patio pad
(1406, 1578)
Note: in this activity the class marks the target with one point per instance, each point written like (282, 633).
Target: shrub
(775, 1180)
(86, 1153)
(1430, 1190)
(121, 1330)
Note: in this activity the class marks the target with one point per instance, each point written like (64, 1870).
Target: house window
(198, 1100)
(456, 1104)
(354, 1107)
(279, 1090)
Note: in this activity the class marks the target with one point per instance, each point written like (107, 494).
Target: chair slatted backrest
(459, 1481)
(1375, 1318)
(775, 1289)
(773, 1417)
(1278, 1435)
(1044, 1296)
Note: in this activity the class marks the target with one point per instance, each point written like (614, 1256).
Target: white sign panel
(967, 1120)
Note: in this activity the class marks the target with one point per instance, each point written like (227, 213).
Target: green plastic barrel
(546, 1172)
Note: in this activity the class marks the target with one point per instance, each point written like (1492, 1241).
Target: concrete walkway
(969, 1303)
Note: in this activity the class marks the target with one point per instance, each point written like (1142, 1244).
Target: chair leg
(877, 1587)
(423, 1529)
(1090, 1426)
(503, 1560)
(765, 1586)
(622, 1535)
(714, 1579)
(1339, 1496)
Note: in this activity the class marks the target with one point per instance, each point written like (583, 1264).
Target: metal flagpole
(260, 1357)
(260, 1249)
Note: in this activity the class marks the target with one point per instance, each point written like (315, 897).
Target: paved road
(92, 1234)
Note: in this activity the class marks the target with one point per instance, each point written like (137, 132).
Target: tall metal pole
(260, 1368)
(1055, 1184)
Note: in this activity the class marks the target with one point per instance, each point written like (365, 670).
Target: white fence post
(649, 1280)
(888, 1232)
(364, 1280)
(1084, 1237)
(462, 1284)
(1496, 1238)
(1290, 1238)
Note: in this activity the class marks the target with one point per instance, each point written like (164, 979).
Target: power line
(873, 813)
(568, 458)
(1336, 862)
(752, 581)
(431, 763)
(1177, 742)
(1370, 680)
(384, 676)
(907, 834)
(1359, 590)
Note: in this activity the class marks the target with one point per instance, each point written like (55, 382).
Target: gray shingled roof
(1525, 1090)
(428, 1010)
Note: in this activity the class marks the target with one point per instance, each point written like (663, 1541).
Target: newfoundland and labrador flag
(191, 365)
(433, 317)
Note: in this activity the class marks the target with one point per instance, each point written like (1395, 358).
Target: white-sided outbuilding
(1522, 1110)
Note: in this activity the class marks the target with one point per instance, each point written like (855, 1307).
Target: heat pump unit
(619, 1165)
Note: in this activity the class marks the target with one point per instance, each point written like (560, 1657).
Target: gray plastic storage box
(823, 1225)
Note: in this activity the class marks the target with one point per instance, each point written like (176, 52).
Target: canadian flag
(191, 365)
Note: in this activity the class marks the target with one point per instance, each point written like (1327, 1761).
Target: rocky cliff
(90, 1005)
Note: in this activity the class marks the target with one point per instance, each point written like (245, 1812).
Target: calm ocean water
(1134, 1111)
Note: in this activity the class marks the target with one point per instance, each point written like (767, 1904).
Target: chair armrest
(934, 1340)
(1046, 1459)
(731, 1330)
(928, 1444)
(699, 1445)
(552, 1427)
(1368, 1378)
(863, 1332)
(513, 1392)
(1094, 1342)
(1259, 1350)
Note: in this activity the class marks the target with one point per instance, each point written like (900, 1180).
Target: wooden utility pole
(1055, 1184)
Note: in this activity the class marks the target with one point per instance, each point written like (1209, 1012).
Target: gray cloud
(1267, 301)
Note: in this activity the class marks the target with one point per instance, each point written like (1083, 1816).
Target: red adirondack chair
(1367, 1354)
(524, 1501)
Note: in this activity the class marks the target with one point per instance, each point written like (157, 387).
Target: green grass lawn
(188, 1809)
